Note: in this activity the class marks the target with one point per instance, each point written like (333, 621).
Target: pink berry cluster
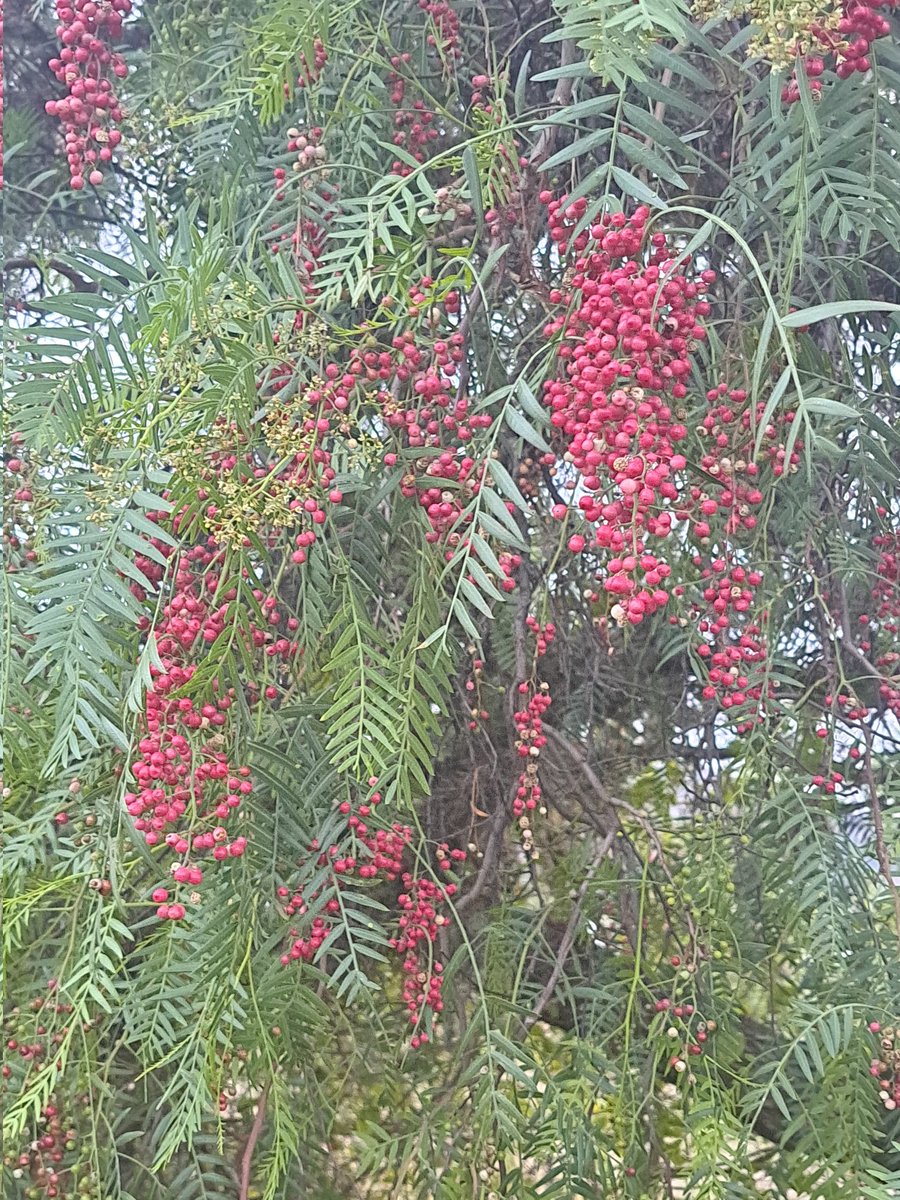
(732, 647)
(378, 854)
(18, 497)
(418, 930)
(729, 461)
(309, 73)
(509, 565)
(886, 617)
(187, 787)
(442, 506)
(886, 590)
(534, 701)
(682, 1026)
(830, 784)
(370, 855)
(845, 710)
(722, 510)
(848, 44)
(88, 67)
(445, 38)
(309, 155)
(428, 413)
(306, 147)
(303, 243)
(304, 236)
(413, 385)
(50, 1166)
(414, 126)
(885, 1065)
(51, 1163)
(629, 327)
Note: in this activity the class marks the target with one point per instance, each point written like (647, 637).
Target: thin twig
(612, 804)
(569, 934)
(491, 857)
(253, 1138)
(503, 814)
(473, 305)
(845, 624)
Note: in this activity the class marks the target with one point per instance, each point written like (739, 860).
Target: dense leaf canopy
(451, 611)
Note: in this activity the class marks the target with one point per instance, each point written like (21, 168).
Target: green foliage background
(675, 859)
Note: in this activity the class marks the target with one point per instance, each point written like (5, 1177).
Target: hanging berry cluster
(18, 496)
(312, 194)
(423, 402)
(418, 930)
(886, 616)
(188, 788)
(414, 127)
(445, 38)
(183, 775)
(478, 715)
(309, 152)
(685, 1033)
(885, 1065)
(629, 327)
(732, 647)
(534, 700)
(52, 1164)
(846, 42)
(416, 124)
(378, 854)
(304, 235)
(722, 510)
(309, 73)
(88, 67)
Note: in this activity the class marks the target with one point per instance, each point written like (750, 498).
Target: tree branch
(78, 281)
(562, 94)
